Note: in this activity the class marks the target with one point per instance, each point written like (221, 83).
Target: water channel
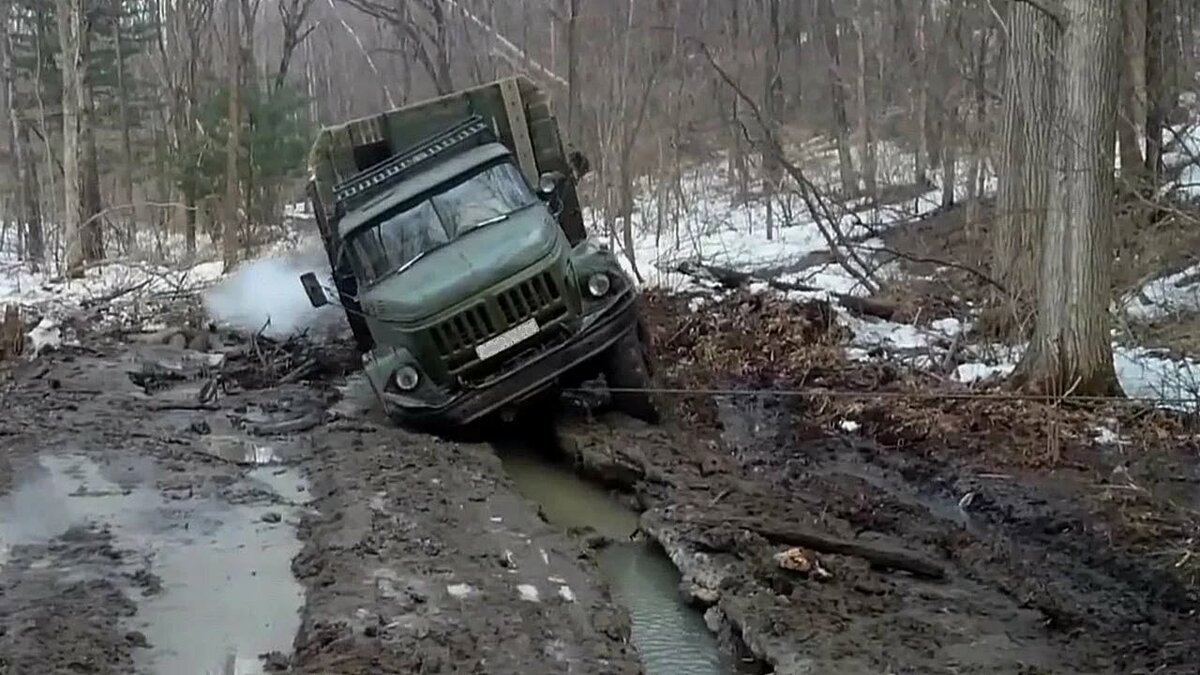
(670, 636)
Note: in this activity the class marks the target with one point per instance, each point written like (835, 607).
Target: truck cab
(465, 272)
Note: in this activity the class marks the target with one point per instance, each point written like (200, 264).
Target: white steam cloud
(267, 292)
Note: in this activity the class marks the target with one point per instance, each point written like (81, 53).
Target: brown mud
(942, 546)
(158, 517)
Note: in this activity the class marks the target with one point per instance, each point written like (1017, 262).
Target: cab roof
(419, 183)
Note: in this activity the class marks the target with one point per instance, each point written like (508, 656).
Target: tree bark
(837, 84)
(232, 229)
(772, 110)
(1028, 133)
(867, 157)
(1156, 94)
(979, 132)
(31, 200)
(126, 172)
(574, 88)
(70, 35)
(1071, 349)
(921, 113)
(1133, 86)
(93, 223)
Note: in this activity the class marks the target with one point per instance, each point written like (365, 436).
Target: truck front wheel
(627, 372)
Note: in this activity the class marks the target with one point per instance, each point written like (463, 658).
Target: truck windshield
(397, 239)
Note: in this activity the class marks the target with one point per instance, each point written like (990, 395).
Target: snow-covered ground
(118, 291)
(706, 224)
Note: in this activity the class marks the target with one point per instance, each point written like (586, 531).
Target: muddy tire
(626, 367)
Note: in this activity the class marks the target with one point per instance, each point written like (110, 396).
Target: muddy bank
(164, 511)
(1015, 578)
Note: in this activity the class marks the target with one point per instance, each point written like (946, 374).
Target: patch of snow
(1170, 294)
(1105, 435)
(460, 591)
(528, 593)
(1144, 374)
(878, 333)
(45, 336)
(975, 372)
(566, 593)
(849, 426)
(949, 326)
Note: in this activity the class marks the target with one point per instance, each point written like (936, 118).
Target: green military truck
(459, 254)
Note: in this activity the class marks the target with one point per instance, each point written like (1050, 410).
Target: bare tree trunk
(739, 170)
(70, 35)
(231, 230)
(1156, 111)
(979, 132)
(18, 151)
(93, 223)
(921, 156)
(574, 86)
(866, 135)
(1027, 140)
(126, 172)
(837, 82)
(31, 200)
(772, 110)
(1133, 76)
(950, 106)
(1071, 350)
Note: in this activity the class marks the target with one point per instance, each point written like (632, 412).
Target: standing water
(670, 636)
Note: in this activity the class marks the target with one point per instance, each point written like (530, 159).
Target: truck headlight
(407, 378)
(598, 285)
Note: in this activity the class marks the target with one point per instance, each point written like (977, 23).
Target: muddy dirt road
(280, 529)
(152, 522)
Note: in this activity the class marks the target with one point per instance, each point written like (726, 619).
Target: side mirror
(316, 294)
(549, 182)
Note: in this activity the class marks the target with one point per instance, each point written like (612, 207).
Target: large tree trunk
(1071, 350)
(837, 84)
(70, 35)
(231, 229)
(1027, 139)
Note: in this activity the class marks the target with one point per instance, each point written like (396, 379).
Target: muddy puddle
(671, 637)
(222, 591)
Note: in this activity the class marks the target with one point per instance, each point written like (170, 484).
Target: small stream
(670, 636)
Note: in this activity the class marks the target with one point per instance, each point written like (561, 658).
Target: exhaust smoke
(267, 292)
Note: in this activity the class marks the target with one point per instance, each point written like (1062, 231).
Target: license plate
(508, 339)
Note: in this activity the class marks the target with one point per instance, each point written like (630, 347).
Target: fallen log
(880, 556)
(734, 279)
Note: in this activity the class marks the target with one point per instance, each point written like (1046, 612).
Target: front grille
(526, 299)
(539, 297)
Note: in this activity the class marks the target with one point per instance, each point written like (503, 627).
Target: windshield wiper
(490, 221)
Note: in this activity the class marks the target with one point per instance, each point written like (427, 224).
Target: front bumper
(532, 377)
